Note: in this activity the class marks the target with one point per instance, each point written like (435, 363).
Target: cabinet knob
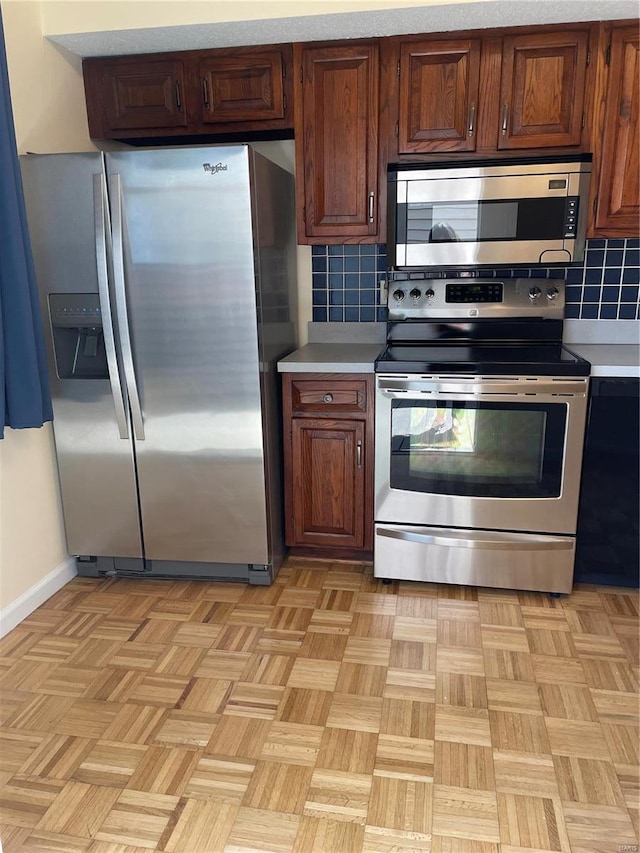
(328, 398)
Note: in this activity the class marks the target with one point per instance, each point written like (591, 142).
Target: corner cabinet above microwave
(505, 91)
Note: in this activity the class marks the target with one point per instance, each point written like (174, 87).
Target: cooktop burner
(475, 358)
(492, 327)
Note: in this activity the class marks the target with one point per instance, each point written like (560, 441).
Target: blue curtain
(25, 400)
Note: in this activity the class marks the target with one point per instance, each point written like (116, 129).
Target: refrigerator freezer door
(188, 248)
(96, 466)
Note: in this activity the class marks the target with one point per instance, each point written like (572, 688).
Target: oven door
(479, 452)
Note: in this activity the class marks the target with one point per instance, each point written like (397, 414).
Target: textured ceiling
(423, 19)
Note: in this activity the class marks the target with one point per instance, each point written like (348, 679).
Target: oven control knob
(552, 293)
(534, 292)
(398, 295)
(415, 293)
(430, 293)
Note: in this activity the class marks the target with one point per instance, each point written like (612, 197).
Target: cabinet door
(134, 94)
(542, 91)
(244, 88)
(438, 96)
(328, 483)
(337, 144)
(618, 201)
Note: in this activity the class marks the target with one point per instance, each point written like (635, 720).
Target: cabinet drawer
(317, 395)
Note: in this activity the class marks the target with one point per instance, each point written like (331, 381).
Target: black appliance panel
(608, 539)
(482, 359)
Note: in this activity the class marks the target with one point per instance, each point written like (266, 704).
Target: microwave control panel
(571, 217)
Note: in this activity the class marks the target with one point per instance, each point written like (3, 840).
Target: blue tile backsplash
(346, 282)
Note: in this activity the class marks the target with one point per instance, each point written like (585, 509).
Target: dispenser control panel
(75, 309)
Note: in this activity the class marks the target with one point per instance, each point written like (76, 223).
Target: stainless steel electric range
(480, 420)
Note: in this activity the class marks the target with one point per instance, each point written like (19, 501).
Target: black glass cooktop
(511, 359)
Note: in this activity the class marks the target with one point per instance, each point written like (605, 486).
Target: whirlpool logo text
(213, 169)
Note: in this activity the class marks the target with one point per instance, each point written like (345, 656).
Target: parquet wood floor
(327, 712)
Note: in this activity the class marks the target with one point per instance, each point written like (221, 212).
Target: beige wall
(47, 92)
(48, 105)
(32, 540)
(70, 16)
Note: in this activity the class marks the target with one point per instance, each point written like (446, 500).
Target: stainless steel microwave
(488, 214)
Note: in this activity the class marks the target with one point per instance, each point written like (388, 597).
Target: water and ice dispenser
(78, 340)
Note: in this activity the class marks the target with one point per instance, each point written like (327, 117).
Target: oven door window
(496, 450)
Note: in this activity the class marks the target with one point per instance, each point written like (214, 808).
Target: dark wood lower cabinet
(328, 482)
(328, 429)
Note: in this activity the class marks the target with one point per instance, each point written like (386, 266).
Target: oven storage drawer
(474, 557)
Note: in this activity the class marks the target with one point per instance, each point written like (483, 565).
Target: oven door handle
(459, 540)
(399, 390)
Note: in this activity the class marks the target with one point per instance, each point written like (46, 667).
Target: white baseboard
(14, 613)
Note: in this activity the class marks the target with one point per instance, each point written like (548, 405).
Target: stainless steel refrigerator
(166, 278)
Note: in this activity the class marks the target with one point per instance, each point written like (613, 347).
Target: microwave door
(490, 221)
(488, 216)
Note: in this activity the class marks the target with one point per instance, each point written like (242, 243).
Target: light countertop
(331, 358)
(610, 359)
(611, 346)
(605, 359)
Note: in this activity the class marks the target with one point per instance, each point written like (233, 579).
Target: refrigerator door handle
(102, 248)
(115, 196)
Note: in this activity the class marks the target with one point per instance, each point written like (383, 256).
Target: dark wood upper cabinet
(439, 84)
(616, 197)
(542, 91)
(242, 88)
(485, 93)
(358, 105)
(134, 94)
(336, 110)
(190, 93)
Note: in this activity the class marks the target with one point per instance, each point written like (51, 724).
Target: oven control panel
(466, 292)
(424, 295)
